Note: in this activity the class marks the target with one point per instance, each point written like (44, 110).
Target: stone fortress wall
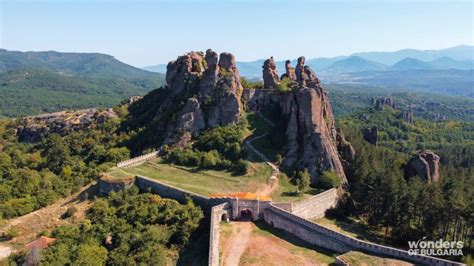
(217, 214)
(324, 237)
(316, 206)
(138, 160)
(290, 217)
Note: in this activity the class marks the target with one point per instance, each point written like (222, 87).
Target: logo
(435, 248)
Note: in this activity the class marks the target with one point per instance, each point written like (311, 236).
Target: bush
(303, 180)
(70, 212)
(285, 85)
(11, 233)
(184, 156)
(210, 159)
(241, 167)
(329, 180)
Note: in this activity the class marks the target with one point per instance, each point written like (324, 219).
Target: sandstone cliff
(306, 117)
(203, 90)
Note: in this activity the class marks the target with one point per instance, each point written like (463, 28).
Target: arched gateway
(244, 206)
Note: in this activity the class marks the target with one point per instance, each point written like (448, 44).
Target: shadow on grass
(363, 232)
(293, 239)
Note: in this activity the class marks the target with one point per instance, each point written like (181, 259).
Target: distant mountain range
(36, 82)
(444, 71)
(459, 57)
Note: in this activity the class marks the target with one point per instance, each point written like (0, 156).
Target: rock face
(346, 151)
(270, 74)
(34, 127)
(290, 71)
(308, 120)
(370, 135)
(380, 103)
(425, 164)
(204, 91)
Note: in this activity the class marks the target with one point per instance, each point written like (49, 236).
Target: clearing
(247, 243)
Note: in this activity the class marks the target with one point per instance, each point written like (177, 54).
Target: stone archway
(225, 217)
(246, 215)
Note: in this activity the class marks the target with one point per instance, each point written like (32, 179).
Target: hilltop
(38, 82)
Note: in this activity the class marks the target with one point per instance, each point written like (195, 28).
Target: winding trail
(241, 231)
(272, 182)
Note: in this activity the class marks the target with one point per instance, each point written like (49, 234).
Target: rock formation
(34, 127)
(380, 103)
(307, 118)
(425, 164)
(290, 71)
(204, 90)
(270, 74)
(407, 116)
(370, 135)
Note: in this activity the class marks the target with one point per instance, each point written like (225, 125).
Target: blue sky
(145, 33)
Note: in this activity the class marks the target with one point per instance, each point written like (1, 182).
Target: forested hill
(37, 82)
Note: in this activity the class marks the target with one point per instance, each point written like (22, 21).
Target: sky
(144, 33)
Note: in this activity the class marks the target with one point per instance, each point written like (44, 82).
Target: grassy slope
(204, 181)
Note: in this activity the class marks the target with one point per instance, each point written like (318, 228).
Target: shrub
(70, 212)
(11, 233)
(303, 180)
(210, 159)
(329, 180)
(285, 85)
(241, 167)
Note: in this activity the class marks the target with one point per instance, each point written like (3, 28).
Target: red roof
(243, 195)
(40, 243)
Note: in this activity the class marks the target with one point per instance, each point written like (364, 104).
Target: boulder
(270, 74)
(424, 164)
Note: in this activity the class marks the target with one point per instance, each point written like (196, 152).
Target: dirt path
(272, 182)
(45, 219)
(237, 243)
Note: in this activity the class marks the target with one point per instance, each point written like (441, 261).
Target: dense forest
(126, 228)
(34, 175)
(410, 209)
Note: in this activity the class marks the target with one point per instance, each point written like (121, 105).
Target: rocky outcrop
(290, 71)
(370, 135)
(270, 74)
(380, 103)
(424, 164)
(407, 117)
(34, 127)
(204, 90)
(189, 122)
(310, 127)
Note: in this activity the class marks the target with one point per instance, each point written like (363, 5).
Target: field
(204, 182)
